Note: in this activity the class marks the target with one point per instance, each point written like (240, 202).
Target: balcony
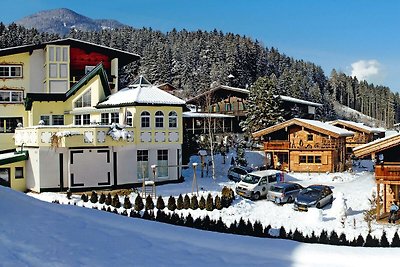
(276, 145)
(388, 171)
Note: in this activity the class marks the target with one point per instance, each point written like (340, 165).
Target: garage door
(90, 167)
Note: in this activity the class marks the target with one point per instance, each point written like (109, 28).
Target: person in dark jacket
(393, 212)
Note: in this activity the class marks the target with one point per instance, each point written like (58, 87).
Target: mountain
(62, 20)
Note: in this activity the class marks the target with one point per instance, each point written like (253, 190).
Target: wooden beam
(378, 205)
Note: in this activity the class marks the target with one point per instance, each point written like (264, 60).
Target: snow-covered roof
(327, 126)
(377, 141)
(359, 125)
(313, 124)
(299, 101)
(12, 157)
(141, 92)
(190, 114)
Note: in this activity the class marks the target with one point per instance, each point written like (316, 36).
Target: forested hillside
(193, 60)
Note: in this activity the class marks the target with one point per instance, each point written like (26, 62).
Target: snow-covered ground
(36, 233)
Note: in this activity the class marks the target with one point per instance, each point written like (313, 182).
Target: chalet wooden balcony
(276, 145)
(388, 171)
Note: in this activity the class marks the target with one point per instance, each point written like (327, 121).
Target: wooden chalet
(303, 145)
(231, 101)
(385, 153)
(362, 134)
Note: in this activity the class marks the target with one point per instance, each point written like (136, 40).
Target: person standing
(393, 212)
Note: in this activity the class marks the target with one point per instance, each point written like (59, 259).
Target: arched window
(145, 119)
(159, 119)
(129, 118)
(172, 119)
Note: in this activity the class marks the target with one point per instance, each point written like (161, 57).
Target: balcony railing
(276, 145)
(388, 171)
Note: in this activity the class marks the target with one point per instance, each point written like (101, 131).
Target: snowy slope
(36, 233)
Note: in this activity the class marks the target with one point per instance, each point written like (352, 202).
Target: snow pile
(118, 132)
(67, 133)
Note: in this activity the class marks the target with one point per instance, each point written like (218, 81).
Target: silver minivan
(256, 184)
(283, 192)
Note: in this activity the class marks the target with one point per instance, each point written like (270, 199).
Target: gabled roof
(357, 126)
(243, 93)
(123, 56)
(377, 145)
(318, 126)
(98, 70)
(12, 157)
(141, 92)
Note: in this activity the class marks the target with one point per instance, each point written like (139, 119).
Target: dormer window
(84, 100)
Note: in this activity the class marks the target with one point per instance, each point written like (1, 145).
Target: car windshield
(251, 179)
(311, 192)
(276, 189)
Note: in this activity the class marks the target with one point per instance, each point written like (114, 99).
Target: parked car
(256, 184)
(313, 196)
(283, 192)
(237, 173)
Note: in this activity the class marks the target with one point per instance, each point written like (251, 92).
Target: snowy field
(36, 233)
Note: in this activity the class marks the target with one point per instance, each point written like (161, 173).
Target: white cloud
(369, 70)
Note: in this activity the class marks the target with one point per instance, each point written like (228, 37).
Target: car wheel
(289, 200)
(318, 205)
(256, 196)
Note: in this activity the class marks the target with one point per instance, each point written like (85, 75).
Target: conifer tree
(282, 233)
(395, 241)
(149, 203)
(127, 203)
(108, 199)
(218, 204)
(94, 198)
(115, 201)
(160, 205)
(384, 241)
(84, 198)
(186, 202)
(102, 198)
(171, 203)
(138, 203)
(209, 203)
(194, 204)
(202, 203)
(179, 202)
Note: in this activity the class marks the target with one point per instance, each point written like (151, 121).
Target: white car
(256, 184)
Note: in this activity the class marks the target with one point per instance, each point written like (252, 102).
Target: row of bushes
(243, 227)
(185, 202)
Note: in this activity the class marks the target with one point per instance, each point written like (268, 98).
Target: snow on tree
(263, 108)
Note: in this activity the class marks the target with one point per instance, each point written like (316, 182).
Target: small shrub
(298, 236)
(102, 198)
(384, 241)
(84, 197)
(138, 203)
(124, 213)
(179, 202)
(282, 233)
(218, 203)
(104, 208)
(108, 209)
(202, 203)
(189, 221)
(94, 198)
(171, 203)
(115, 211)
(194, 204)
(186, 202)
(108, 199)
(69, 194)
(127, 203)
(209, 203)
(396, 240)
(149, 203)
(160, 203)
(115, 202)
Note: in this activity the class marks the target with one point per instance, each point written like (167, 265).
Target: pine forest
(193, 60)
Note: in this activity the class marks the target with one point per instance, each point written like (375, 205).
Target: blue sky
(358, 37)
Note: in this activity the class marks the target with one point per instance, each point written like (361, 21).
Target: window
(310, 137)
(228, 107)
(84, 100)
(310, 159)
(162, 162)
(109, 118)
(10, 96)
(19, 172)
(145, 119)
(302, 159)
(52, 119)
(8, 125)
(10, 71)
(172, 119)
(142, 164)
(53, 71)
(129, 118)
(65, 54)
(159, 119)
(241, 105)
(63, 71)
(83, 119)
(272, 179)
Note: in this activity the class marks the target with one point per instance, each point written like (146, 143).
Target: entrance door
(5, 177)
